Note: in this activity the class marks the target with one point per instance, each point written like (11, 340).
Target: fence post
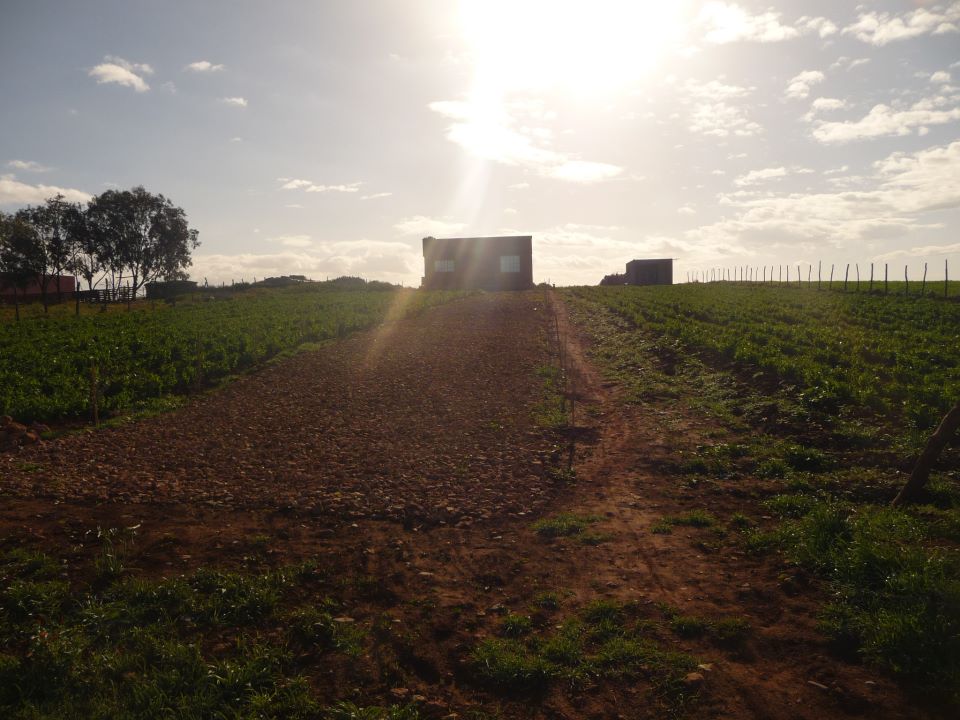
(831, 276)
(846, 276)
(819, 272)
(906, 282)
(923, 284)
(871, 277)
(886, 278)
(788, 275)
(780, 276)
(76, 296)
(809, 273)
(946, 276)
(857, 265)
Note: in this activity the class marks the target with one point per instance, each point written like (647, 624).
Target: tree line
(121, 236)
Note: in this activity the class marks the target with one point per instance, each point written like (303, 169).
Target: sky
(328, 137)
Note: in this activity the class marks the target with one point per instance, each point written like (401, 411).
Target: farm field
(139, 359)
(386, 526)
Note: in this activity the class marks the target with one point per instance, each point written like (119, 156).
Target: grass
(694, 518)
(563, 525)
(215, 643)
(604, 641)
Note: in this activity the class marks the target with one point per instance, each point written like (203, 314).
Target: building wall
(650, 272)
(482, 263)
(62, 283)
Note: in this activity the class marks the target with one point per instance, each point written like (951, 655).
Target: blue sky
(328, 138)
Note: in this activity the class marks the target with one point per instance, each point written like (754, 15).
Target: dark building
(643, 272)
(479, 263)
(62, 285)
(166, 289)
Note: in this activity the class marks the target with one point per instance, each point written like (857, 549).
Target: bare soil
(409, 456)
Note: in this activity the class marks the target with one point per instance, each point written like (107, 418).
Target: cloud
(376, 196)
(884, 120)
(728, 22)
(687, 209)
(920, 251)
(423, 226)
(903, 187)
(121, 72)
(489, 133)
(392, 261)
(755, 176)
(819, 25)
(311, 187)
(204, 66)
(845, 63)
(14, 192)
(715, 91)
(941, 76)
(518, 186)
(27, 165)
(235, 101)
(880, 28)
(824, 104)
(800, 85)
(721, 120)
(296, 241)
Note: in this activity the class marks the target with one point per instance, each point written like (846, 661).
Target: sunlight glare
(581, 46)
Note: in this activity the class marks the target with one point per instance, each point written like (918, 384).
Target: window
(443, 266)
(509, 263)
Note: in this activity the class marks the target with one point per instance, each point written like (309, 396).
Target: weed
(516, 625)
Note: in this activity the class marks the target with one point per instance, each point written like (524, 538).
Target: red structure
(478, 263)
(56, 284)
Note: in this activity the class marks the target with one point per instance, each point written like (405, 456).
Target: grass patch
(563, 525)
(694, 518)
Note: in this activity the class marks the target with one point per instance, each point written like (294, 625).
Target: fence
(759, 274)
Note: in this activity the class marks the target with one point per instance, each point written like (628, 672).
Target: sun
(584, 47)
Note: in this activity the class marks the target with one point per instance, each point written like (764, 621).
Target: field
(590, 502)
(53, 363)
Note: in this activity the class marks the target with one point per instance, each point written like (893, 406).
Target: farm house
(643, 272)
(478, 263)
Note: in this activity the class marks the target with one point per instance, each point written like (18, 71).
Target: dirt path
(424, 434)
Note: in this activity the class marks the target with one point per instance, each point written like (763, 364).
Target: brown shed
(478, 263)
(650, 272)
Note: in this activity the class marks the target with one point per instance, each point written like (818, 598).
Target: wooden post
(923, 283)
(946, 278)
(76, 296)
(857, 265)
(809, 273)
(871, 277)
(886, 277)
(846, 277)
(798, 276)
(95, 394)
(788, 274)
(831, 276)
(780, 276)
(921, 471)
(819, 268)
(906, 282)
(764, 273)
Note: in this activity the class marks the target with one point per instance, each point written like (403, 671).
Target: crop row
(52, 365)
(893, 355)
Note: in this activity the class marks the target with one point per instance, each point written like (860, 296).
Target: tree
(22, 258)
(143, 234)
(52, 223)
(88, 256)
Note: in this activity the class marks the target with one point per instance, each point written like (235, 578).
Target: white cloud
(885, 120)
(819, 25)
(715, 90)
(880, 28)
(755, 176)
(27, 165)
(891, 203)
(204, 66)
(721, 120)
(728, 22)
(296, 241)
(376, 196)
(423, 226)
(800, 84)
(490, 133)
(236, 139)
(518, 186)
(845, 63)
(392, 261)
(822, 105)
(687, 209)
(121, 72)
(920, 251)
(14, 192)
(235, 101)
(311, 187)
(941, 76)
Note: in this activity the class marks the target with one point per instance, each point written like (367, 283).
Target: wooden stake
(923, 284)
(858, 276)
(871, 277)
(886, 276)
(921, 471)
(846, 277)
(906, 282)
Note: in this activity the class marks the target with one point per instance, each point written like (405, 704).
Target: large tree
(52, 223)
(143, 235)
(22, 258)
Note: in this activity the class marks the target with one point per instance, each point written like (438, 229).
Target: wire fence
(781, 275)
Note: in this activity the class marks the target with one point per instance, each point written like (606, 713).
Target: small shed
(650, 272)
(478, 263)
(62, 285)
